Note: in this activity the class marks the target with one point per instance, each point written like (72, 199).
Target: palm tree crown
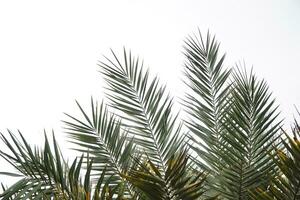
(231, 145)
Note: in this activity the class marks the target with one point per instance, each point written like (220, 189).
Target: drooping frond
(286, 185)
(45, 174)
(251, 129)
(206, 78)
(180, 181)
(146, 108)
(100, 134)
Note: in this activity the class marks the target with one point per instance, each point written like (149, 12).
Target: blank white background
(49, 51)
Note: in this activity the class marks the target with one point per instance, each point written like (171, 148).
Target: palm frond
(251, 127)
(100, 134)
(146, 107)
(38, 169)
(45, 175)
(206, 78)
(43, 170)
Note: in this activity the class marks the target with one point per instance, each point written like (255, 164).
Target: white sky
(49, 50)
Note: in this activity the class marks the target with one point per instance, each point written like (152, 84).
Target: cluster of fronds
(137, 148)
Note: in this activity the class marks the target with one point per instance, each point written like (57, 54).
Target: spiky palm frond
(180, 181)
(42, 171)
(46, 175)
(251, 127)
(286, 185)
(146, 107)
(100, 134)
(235, 122)
(204, 103)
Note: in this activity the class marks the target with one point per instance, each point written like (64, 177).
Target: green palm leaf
(45, 174)
(146, 108)
(204, 102)
(251, 129)
(101, 135)
(42, 170)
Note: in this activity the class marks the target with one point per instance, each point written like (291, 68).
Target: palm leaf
(101, 135)
(45, 174)
(43, 170)
(251, 129)
(145, 106)
(206, 79)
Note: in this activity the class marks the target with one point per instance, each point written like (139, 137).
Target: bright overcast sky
(49, 50)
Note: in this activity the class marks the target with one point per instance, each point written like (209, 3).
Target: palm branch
(251, 127)
(146, 108)
(45, 174)
(206, 79)
(100, 134)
